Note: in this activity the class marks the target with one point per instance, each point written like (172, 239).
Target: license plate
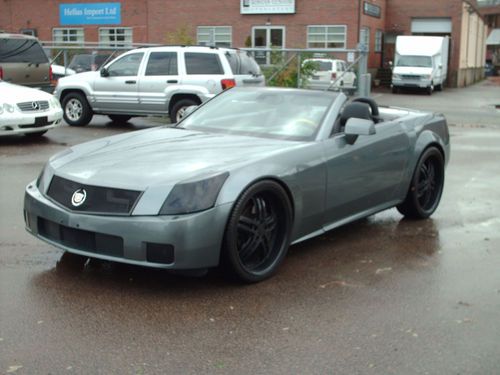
(315, 77)
(41, 121)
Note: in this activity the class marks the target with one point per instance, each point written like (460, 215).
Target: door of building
(267, 37)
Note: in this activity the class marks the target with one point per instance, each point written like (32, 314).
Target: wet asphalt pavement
(380, 296)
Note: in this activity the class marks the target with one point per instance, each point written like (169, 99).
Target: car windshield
(270, 113)
(415, 61)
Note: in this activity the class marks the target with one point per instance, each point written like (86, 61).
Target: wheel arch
(67, 91)
(176, 97)
(275, 179)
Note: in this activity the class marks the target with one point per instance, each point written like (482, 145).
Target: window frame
(213, 36)
(325, 34)
(80, 31)
(378, 41)
(368, 31)
(175, 58)
(128, 31)
(218, 59)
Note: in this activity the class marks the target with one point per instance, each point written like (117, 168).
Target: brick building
(257, 23)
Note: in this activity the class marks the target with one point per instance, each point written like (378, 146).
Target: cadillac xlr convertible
(238, 180)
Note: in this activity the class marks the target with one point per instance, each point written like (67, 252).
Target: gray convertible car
(238, 180)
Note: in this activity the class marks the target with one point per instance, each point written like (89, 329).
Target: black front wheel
(426, 186)
(258, 232)
(77, 111)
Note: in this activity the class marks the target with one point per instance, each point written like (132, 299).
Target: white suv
(331, 74)
(155, 81)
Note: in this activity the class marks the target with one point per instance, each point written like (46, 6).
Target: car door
(118, 90)
(366, 174)
(160, 73)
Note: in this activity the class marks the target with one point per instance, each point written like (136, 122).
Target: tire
(119, 118)
(179, 107)
(258, 233)
(77, 111)
(439, 87)
(35, 134)
(426, 186)
(395, 90)
(429, 90)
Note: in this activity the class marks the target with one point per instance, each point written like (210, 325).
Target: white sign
(267, 6)
(350, 57)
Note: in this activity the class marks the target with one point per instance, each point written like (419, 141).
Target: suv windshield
(415, 61)
(22, 50)
(322, 66)
(277, 113)
(242, 63)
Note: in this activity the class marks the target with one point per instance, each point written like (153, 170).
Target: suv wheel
(77, 111)
(179, 108)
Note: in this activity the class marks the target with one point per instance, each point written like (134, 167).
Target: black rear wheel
(258, 232)
(426, 186)
(179, 108)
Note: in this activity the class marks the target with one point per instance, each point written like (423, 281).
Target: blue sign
(90, 14)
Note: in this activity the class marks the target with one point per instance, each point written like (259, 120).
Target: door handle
(130, 82)
(172, 81)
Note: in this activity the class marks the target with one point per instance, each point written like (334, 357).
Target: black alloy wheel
(426, 187)
(258, 232)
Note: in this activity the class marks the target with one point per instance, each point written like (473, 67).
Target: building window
(115, 36)
(329, 36)
(364, 37)
(68, 35)
(378, 41)
(220, 36)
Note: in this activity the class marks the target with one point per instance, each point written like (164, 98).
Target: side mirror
(104, 72)
(356, 127)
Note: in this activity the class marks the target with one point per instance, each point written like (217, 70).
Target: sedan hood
(13, 94)
(161, 156)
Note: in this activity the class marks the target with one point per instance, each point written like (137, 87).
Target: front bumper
(421, 83)
(194, 240)
(23, 123)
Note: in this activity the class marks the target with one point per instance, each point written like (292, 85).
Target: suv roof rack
(186, 45)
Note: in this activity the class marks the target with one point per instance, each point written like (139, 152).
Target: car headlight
(396, 76)
(54, 103)
(195, 196)
(39, 180)
(6, 107)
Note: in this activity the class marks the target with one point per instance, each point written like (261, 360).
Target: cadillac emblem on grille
(78, 197)
(35, 106)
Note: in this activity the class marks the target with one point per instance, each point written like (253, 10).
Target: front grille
(83, 240)
(411, 76)
(34, 106)
(92, 199)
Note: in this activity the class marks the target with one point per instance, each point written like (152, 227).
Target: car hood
(161, 156)
(13, 94)
(79, 78)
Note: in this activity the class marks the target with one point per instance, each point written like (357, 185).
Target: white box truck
(421, 62)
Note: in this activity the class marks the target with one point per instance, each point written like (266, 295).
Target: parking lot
(380, 296)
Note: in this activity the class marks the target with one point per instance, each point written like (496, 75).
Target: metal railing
(274, 62)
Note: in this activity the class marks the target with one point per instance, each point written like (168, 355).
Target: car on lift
(155, 81)
(238, 180)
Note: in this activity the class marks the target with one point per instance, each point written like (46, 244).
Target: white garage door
(431, 25)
